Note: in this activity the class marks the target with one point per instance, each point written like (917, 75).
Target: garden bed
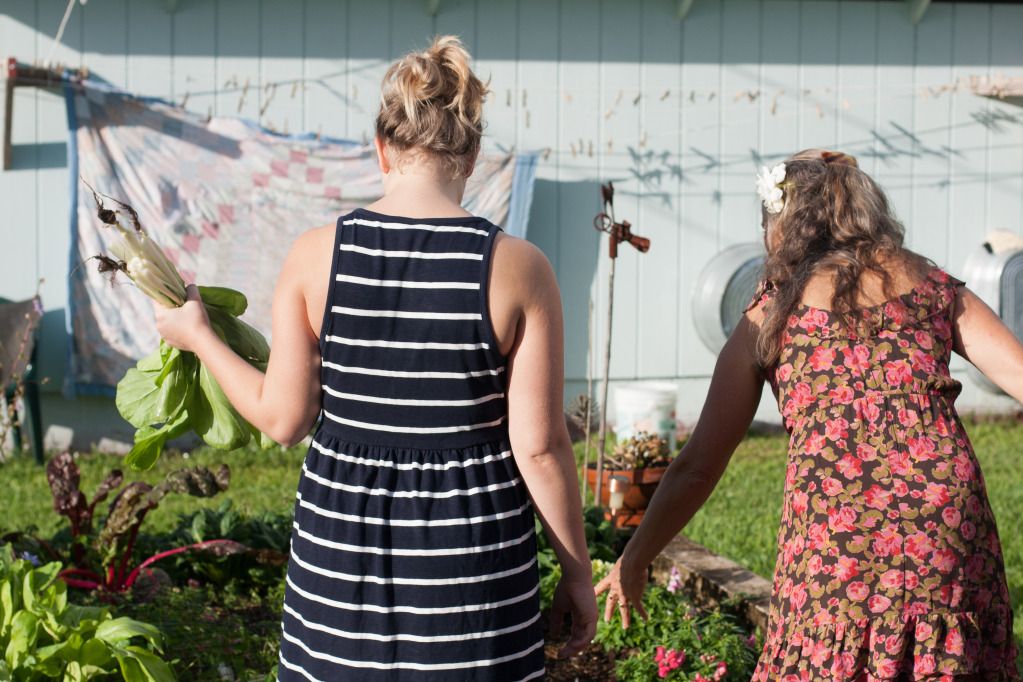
(233, 611)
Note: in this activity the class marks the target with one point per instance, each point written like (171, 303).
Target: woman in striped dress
(432, 345)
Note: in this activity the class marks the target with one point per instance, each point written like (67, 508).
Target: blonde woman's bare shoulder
(518, 262)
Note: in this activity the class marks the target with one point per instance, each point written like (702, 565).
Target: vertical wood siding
(678, 114)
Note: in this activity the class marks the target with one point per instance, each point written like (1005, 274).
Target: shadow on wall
(157, 21)
(561, 224)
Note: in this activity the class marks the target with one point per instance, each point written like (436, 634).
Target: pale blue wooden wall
(679, 114)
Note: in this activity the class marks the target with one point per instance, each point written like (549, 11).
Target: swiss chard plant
(103, 559)
(43, 636)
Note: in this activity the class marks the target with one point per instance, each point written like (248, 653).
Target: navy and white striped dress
(413, 555)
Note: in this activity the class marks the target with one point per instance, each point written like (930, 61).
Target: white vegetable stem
(149, 268)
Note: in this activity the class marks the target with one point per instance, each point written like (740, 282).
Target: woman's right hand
(624, 585)
(574, 597)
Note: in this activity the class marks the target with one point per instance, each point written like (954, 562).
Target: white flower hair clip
(769, 188)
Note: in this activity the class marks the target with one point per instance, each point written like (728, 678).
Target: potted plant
(630, 476)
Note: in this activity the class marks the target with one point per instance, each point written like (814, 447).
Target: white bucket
(646, 406)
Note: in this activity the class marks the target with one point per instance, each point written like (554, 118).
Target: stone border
(709, 579)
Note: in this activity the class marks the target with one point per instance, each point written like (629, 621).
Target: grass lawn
(260, 481)
(740, 520)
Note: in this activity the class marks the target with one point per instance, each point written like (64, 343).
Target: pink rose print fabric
(889, 565)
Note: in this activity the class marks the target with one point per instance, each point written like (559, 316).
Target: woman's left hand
(183, 327)
(624, 586)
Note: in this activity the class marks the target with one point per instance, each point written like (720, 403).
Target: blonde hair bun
(431, 101)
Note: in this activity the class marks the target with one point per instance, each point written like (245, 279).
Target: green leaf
(213, 417)
(142, 665)
(95, 653)
(176, 386)
(24, 630)
(118, 630)
(138, 396)
(149, 442)
(231, 301)
(242, 337)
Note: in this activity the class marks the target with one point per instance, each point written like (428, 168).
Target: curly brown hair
(837, 221)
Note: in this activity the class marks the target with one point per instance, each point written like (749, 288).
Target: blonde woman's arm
(527, 295)
(727, 413)
(284, 401)
(982, 338)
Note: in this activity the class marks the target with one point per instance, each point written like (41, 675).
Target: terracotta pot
(643, 484)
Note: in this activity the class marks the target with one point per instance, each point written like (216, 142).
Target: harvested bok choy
(169, 392)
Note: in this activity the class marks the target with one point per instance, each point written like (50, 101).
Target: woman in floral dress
(889, 565)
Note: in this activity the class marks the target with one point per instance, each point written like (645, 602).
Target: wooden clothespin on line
(18, 74)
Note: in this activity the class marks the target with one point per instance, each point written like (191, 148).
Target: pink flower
(857, 359)
(877, 497)
(937, 494)
(797, 597)
(866, 452)
(951, 516)
(954, 641)
(908, 418)
(944, 560)
(842, 519)
(891, 579)
(721, 670)
(899, 463)
(814, 565)
(842, 395)
(898, 372)
(817, 535)
(674, 580)
(925, 665)
(886, 667)
(923, 631)
(964, 467)
(918, 546)
(846, 568)
(878, 603)
(968, 529)
(849, 466)
(886, 541)
(802, 395)
(921, 448)
(923, 362)
(836, 429)
(867, 409)
(923, 339)
(831, 486)
(822, 359)
(815, 442)
(783, 372)
(857, 591)
(799, 501)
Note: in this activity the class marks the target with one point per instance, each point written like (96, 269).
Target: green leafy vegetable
(169, 393)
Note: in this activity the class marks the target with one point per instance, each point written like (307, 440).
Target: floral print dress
(889, 565)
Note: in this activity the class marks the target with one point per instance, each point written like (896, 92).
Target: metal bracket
(22, 75)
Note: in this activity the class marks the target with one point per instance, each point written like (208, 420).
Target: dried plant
(642, 450)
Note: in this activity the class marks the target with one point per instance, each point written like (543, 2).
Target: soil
(593, 664)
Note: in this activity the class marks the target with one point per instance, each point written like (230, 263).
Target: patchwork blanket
(225, 198)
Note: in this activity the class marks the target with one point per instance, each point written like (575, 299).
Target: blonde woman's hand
(184, 327)
(624, 585)
(575, 598)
